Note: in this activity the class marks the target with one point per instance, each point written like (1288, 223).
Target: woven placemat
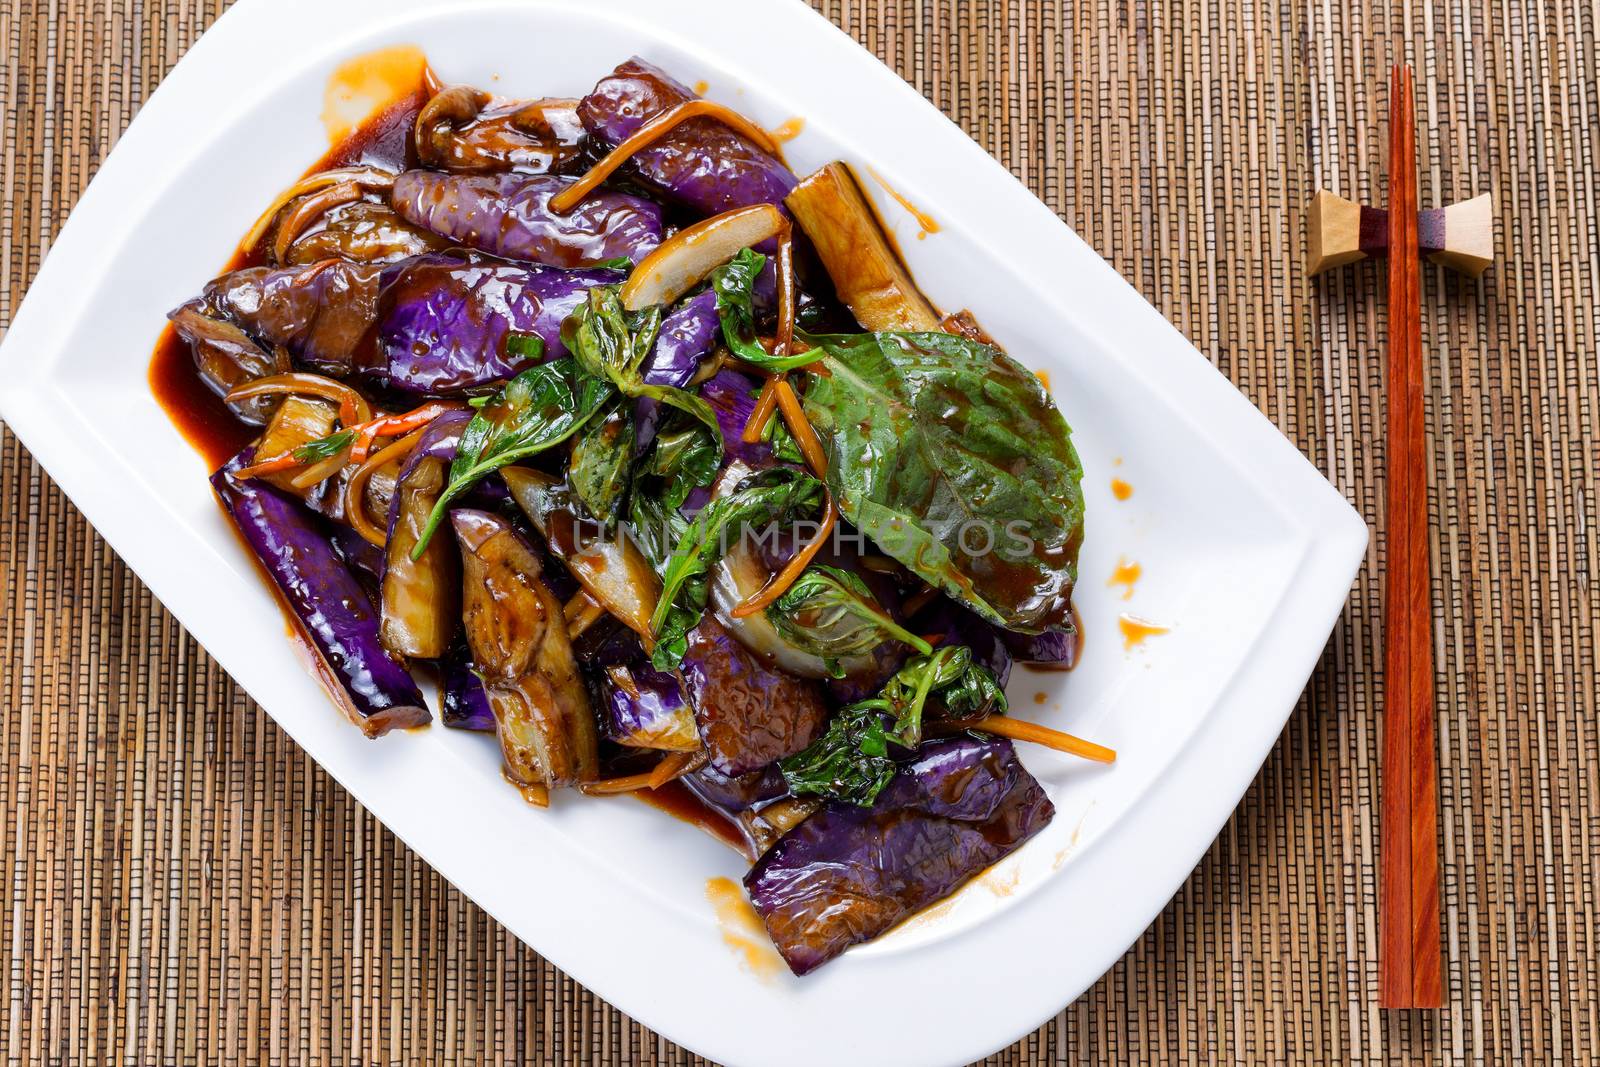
(181, 884)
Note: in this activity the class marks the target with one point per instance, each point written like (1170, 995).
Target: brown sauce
(788, 130)
(927, 223)
(676, 800)
(1121, 489)
(384, 140)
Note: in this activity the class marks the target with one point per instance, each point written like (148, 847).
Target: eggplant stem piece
(647, 134)
(366, 177)
(353, 407)
(1019, 730)
(683, 260)
(308, 209)
(779, 583)
(355, 490)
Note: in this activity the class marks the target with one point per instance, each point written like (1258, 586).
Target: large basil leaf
(684, 456)
(539, 408)
(830, 613)
(765, 497)
(953, 458)
(849, 762)
(601, 456)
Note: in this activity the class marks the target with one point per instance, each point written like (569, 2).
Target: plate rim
(1336, 537)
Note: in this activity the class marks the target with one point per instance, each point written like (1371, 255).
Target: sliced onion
(610, 567)
(684, 260)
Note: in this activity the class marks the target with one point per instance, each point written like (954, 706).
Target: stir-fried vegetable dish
(649, 453)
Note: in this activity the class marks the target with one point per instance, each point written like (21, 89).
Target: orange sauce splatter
(1002, 884)
(1126, 575)
(1135, 630)
(788, 130)
(1121, 489)
(361, 87)
(1044, 379)
(1039, 698)
(742, 931)
(927, 222)
(701, 86)
(931, 914)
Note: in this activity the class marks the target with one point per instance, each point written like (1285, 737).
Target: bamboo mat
(181, 884)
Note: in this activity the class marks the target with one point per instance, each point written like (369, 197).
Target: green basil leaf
(656, 527)
(831, 614)
(612, 343)
(622, 263)
(765, 497)
(685, 455)
(849, 762)
(539, 408)
(601, 456)
(963, 689)
(734, 283)
(324, 447)
(954, 460)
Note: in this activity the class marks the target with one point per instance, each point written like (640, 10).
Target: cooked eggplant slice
(519, 642)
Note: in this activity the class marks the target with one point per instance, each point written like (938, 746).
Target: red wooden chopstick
(1409, 904)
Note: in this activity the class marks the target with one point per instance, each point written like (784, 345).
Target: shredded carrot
(611, 786)
(281, 462)
(568, 198)
(1018, 730)
(672, 765)
(779, 583)
(308, 209)
(353, 407)
(766, 403)
(804, 435)
(368, 432)
(355, 490)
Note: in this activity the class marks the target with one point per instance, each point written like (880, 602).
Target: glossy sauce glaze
(1135, 631)
(384, 140)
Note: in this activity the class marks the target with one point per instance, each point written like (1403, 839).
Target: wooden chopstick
(1409, 905)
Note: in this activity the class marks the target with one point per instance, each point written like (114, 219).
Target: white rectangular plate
(1247, 553)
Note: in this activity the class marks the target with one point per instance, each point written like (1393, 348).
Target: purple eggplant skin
(688, 335)
(701, 165)
(748, 714)
(320, 313)
(443, 320)
(421, 597)
(509, 215)
(364, 558)
(1056, 648)
(645, 708)
(225, 358)
(335, 612)
(463, 703)
(737, 793)
(732, 396)
(847, 874)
